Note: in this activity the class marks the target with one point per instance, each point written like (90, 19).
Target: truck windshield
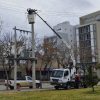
(29, 78)
(57, 73)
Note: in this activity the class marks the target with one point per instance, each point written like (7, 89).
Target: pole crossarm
(22, 30)
(16, 58)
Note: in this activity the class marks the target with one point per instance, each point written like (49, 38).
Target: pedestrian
(77, 81)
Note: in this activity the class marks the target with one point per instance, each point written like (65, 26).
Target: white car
(25, 81)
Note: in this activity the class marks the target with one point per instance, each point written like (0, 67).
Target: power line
(62, 12)
(11, 9)
(46, 11)
(11, 4)
(49, 14)
(52, 13)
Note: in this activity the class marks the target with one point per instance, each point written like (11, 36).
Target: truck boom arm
(67, 45)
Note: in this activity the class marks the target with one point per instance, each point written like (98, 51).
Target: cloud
(50, 10)
(81, 4)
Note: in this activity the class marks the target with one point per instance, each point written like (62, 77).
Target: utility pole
(33, 56)
(15, 63)
(31, 19)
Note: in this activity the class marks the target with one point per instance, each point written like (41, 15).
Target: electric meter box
(31, 18)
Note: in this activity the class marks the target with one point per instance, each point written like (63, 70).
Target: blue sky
(13, 12)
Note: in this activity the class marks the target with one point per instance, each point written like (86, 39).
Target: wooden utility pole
(15, 63)
(31, 19)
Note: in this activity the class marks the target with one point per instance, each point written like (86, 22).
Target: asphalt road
(44, 86)
(2, 87)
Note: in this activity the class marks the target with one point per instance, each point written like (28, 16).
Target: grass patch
(75, 94)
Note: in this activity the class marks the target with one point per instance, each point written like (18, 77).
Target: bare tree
(7, 43)
(63, 56)
(50, 51)
(47, 52)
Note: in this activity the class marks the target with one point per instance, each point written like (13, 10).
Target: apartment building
(88, 38)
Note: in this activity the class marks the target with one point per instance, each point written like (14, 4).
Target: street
(45, 85)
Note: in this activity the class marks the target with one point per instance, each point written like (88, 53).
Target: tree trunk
(41, 74)
(6, 75)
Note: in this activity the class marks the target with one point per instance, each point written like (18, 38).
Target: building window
(88, 43)
(80, 30)
(94, 27)
(87, 28)
(81, 37)
(87, 36)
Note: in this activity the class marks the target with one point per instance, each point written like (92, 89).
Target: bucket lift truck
(64, 77)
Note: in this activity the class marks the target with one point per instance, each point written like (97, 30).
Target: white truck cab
(61, 78)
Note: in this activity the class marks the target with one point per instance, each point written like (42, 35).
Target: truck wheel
(11, 87)
(30, 87)
(37, 85)
(67, 87)
(56, 87)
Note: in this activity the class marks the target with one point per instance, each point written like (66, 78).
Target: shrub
(91, 77)
(98, 66)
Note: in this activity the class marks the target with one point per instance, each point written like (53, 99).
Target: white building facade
(66, 31)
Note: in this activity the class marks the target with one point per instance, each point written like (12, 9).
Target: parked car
(25, 81)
